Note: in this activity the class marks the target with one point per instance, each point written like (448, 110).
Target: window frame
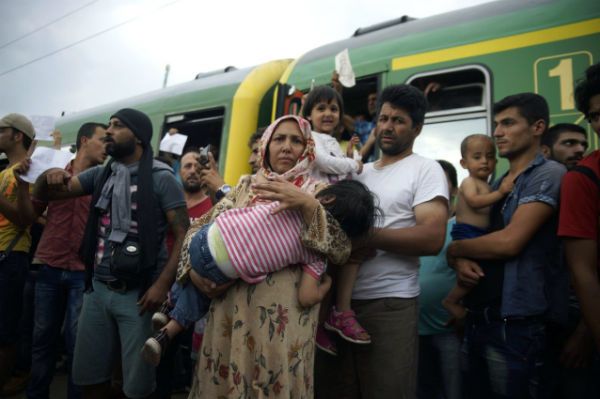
(462, 113)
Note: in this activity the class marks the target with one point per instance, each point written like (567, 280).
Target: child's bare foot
(457, 311)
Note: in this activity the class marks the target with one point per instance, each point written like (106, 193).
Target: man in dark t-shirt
(134, 201)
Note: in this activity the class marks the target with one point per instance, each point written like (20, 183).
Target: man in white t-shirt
(413, 195)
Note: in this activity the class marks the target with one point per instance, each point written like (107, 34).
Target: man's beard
(395, 148)
(191, 188)
(120, 150)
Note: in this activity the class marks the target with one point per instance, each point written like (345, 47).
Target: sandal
(346, 325)
(324, 342)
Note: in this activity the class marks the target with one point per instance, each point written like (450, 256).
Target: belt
(490, 315)
(120, 286)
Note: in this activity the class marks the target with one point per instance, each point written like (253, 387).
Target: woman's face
(286, 146)
(325, 116)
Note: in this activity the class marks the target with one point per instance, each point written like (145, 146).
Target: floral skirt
(258, 342)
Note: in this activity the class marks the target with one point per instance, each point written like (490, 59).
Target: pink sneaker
(346, 325)
(324, 341)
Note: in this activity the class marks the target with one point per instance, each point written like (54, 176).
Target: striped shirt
(259, 242)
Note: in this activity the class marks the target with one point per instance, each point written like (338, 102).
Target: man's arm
(369, 145)
(426, 237)
(28, 211)
(582, 258)
(179, 222)
(210, 177)
(57, 184)
(10, 210)
(508, 242)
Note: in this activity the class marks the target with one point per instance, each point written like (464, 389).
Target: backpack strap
(588, 172)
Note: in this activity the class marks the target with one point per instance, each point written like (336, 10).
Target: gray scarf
(117, 193)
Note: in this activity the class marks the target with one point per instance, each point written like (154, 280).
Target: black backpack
(588, 172)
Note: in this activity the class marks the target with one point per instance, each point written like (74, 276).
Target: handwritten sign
(44, 158)
(173, 143)
(343, 67)
(44, 126)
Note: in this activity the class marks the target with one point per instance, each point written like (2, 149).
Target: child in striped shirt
(251, 242)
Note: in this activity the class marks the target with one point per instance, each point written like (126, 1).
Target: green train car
(221, 109)
(478, 55)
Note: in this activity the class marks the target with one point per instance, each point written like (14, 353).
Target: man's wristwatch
(222, 191)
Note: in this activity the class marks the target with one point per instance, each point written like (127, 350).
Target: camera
(203, 158)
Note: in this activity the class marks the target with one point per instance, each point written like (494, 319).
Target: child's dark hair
(464, 145)
(318, 94)
(354, 206)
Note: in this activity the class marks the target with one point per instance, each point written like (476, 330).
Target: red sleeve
(579, 207)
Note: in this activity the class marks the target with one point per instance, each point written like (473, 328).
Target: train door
(460, 104)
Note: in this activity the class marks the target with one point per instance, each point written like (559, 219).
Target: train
(476, 56)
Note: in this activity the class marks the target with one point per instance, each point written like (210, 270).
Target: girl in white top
(324, 108)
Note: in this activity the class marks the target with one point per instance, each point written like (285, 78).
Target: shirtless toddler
(475, 199)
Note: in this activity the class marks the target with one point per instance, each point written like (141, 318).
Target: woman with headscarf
(259, 341)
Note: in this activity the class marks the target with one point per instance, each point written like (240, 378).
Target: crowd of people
(366, 273)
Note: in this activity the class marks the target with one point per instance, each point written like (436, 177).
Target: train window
(459, 105)
(202, 127)
(442, 140)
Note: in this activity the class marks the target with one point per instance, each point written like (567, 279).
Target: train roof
(372, 47)
(203, 86)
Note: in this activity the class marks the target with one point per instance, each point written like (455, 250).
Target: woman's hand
(208, 287)
(288, 195)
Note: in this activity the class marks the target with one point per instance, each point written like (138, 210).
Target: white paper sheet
(45, 158)
(173, 143)
(343, 67)
(44, 126)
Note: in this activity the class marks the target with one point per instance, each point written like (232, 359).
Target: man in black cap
(16, 136)
(135, 199)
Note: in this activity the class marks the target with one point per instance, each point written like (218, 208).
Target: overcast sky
(192, 36)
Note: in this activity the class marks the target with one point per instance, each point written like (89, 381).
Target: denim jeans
(110, 323)
(58, 294)
(23, 361)
(502, 359)
(13, 273)
(190, 305)
(439, 367)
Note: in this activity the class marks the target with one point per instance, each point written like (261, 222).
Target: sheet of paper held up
(173, 143)
(343, 67)
(44, 126)
(45, 158)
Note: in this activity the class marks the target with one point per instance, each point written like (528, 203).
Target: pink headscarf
(299, 175)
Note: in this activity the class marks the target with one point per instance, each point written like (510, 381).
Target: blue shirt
(363, 129)
(532, 280)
